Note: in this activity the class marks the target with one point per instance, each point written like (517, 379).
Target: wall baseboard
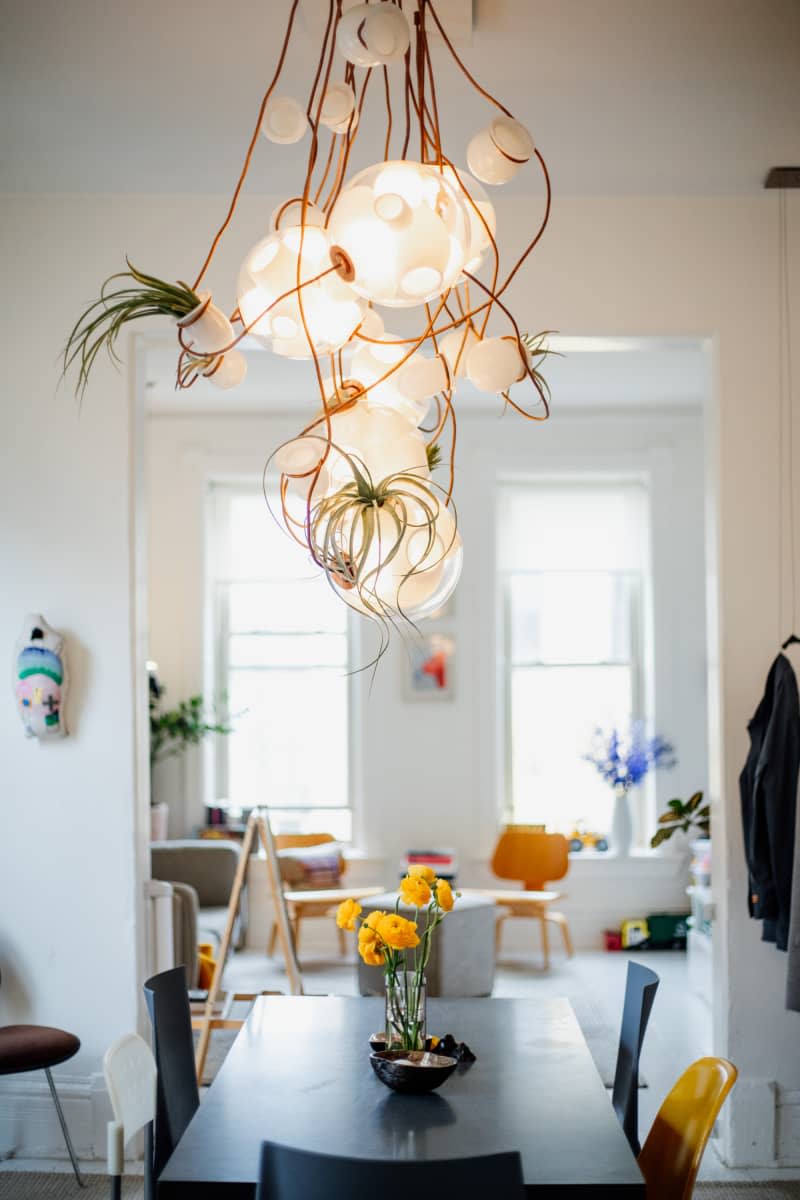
(29, 1125)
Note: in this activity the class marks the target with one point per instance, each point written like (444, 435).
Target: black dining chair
(288, 1174)
(641, 986)
(178, 1096)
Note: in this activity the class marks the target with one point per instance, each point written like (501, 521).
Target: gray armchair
(209, 867)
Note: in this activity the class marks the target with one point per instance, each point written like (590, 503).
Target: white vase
(621, 824)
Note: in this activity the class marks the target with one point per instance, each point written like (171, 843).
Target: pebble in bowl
(413, 1072)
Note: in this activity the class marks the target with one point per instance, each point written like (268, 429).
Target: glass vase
(405, 1011)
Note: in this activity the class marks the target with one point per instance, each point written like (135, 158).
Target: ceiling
(622, 96)
(594, 374)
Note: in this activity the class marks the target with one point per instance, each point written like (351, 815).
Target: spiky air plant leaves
(102, 322)
(536, 345)
(434, 456)
(360, 536)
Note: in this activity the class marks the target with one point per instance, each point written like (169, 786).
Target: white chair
(130, 1074)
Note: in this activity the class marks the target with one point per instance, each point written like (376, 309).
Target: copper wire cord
(420, 105)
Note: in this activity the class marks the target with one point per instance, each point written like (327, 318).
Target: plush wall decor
(40, 679)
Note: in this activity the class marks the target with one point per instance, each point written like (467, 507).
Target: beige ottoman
(462, 959)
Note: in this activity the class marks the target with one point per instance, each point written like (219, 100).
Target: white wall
(668, 266)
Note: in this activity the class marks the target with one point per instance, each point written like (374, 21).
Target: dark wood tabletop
(298, 1073)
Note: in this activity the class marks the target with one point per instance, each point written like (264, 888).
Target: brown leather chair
(38, 1048)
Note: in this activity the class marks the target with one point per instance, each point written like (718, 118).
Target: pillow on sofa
(311, 868)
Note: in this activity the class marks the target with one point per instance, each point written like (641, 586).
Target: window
(279, 654)
(573, 573)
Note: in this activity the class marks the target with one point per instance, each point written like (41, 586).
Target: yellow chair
(671, 1156)
(527, 854)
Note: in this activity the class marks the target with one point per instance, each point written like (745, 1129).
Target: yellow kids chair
(671, 1156)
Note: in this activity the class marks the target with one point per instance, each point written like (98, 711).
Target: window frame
(217, 666)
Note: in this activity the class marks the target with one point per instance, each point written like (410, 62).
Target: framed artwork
(430, 667)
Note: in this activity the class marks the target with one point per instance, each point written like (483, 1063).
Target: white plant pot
(621, 825)
(206, 329)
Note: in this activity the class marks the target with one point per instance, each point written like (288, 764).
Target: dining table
(299, 1074)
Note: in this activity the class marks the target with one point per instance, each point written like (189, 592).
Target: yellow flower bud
(427, 873)
(346, 914)
(444, 895)
(415, 891)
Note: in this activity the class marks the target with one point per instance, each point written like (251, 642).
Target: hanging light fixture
(412, 231)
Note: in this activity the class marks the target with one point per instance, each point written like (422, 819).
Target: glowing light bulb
(482, 217)
(268, 300)
(406, 230)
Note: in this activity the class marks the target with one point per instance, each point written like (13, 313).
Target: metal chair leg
(64, 1129)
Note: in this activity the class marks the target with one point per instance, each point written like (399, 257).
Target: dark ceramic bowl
(412, 1071)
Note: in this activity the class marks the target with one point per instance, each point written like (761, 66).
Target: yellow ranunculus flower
(369, 947)
(415, 891)
(346, 914)
(397, 932)
(371, 922)
(444, 894)
(427, 873)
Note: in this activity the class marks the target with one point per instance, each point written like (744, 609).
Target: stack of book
(443, 862)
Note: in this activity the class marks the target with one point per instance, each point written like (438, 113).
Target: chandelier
(413, 231)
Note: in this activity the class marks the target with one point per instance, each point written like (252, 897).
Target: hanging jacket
(768, 786)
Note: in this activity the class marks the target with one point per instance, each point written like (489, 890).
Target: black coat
(768, 786)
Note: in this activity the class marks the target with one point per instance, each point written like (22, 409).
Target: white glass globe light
(228, 371)
(422, 377)
(480, 210)
(455, 347)
(405, 228)
(348, 125)
(285, 120)
(373, 35)
(383, 440)
(512, 139)
(337, 105)
(494, 364)
(331, 308)
(290, 214)
(299, 456)
(421, 573)
(496, 154)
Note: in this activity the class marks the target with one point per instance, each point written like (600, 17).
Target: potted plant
(172, 732)
(690, 816)
(624, 760)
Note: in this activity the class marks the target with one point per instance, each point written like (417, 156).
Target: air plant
(102, 322)
(536, 345)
